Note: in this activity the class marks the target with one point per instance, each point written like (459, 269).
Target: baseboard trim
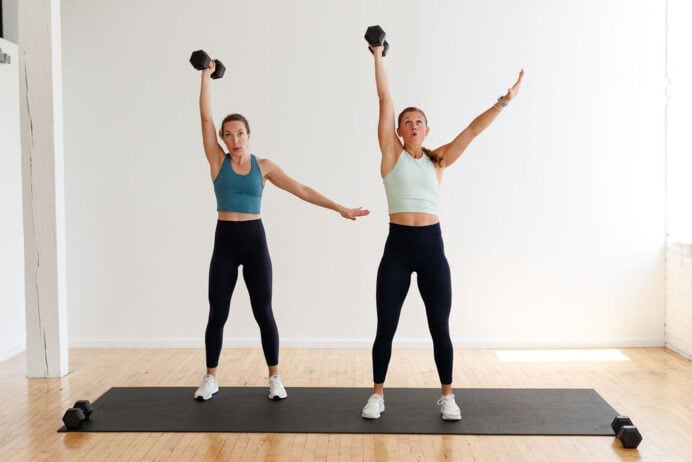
(14, 350)
(412, 343)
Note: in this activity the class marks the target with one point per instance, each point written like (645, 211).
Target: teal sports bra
(238, 193)
(412, 185)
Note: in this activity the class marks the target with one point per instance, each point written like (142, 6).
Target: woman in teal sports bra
(239, 178)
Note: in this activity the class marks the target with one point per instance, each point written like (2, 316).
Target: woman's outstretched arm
(450, 152)
(280, 179)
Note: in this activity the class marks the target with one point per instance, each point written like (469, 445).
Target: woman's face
(413, 128)
(235, 136)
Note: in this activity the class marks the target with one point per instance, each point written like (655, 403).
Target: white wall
(678, 312)
(553, 219)
(679, 299)
(12, 331)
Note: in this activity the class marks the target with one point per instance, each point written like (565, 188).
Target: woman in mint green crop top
(411, 176)
(239, 240)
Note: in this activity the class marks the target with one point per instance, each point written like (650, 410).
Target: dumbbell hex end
(219, 71)
(629, 436)
(200, 59)
(375, 35)
(618, 422)
(85, 406)
(73, 417)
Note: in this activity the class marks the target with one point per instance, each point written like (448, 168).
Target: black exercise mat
(505, 411)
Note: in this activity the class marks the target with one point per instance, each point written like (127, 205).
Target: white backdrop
(12, 325)
(553, 219)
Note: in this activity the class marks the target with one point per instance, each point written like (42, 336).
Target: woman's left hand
(352, 214)
(512, 92)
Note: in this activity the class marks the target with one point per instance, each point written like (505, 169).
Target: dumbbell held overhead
(200, 60)
(375, 36)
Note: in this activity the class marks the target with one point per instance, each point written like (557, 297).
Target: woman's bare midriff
(237, 216)
(413, 219)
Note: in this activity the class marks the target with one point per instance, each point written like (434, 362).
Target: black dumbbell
(200, 60)
(77, 414)
(626, 432)
(375, 36)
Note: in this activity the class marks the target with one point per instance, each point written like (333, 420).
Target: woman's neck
(415, 151)
(239, 158)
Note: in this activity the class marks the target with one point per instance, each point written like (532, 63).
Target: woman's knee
(264, 316)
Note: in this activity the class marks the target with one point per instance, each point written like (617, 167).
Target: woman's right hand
(377, 50)
(210, 68)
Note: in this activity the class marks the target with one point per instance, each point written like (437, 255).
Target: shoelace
(445, 399)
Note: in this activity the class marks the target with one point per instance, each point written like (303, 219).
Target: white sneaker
(374, 407)
(276, 388)
(449, 408)
(207, 388)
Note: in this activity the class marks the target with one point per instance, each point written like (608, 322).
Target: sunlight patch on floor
(610, 354)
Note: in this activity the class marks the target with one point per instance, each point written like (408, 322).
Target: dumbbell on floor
(76, 415)
(626, 432)
(375, 36)
(200, 60)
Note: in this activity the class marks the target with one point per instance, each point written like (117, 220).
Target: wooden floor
(652, 385)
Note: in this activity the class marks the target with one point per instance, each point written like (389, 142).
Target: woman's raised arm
(212, 148)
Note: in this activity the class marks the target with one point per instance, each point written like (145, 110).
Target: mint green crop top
(412, 185)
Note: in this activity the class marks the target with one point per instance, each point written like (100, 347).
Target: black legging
(240, 243)
(413, 249)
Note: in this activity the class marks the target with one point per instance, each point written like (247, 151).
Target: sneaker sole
(277, 397)
(202, 398)
(451, 418)
(372, 417)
